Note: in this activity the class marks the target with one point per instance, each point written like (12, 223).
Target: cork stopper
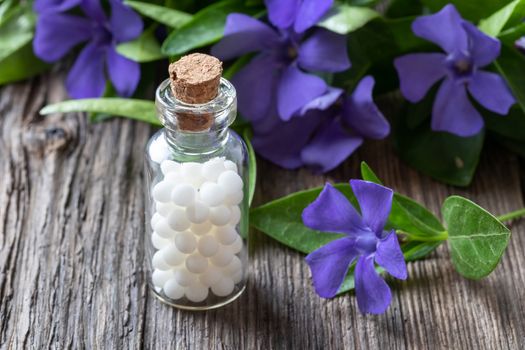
(195, 79)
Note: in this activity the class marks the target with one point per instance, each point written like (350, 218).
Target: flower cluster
(366, 242)
(58, 32)
(467, 50)
(296, 116)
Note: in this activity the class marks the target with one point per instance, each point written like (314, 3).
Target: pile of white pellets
(194, 229)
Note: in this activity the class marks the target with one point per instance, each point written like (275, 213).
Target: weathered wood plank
(71, 251)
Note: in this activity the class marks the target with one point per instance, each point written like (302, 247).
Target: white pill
(154, 219)
(222, 257)
(201, 229)
(158, 262)
(213, 168)
(163, 229)
(174, 179)
(235, 216)
(225, 234)
(197, 292)
(169, 166)
(211, 194)
(173, 289)
(236, 247)
(208, 246)
(178, 220)
(211, 276)
(184, 277)
(183, 194)
(234, 198)
(230, 181)
(159, 277)
(228, 164)
(172, 255)
(234, 266)
(196, 263)
(159, 242)
(162, 191)
(192, 173)
(198, 212)
(220, 215)
(186, 242)
(223, 287)
(164, 209)
(237, 276)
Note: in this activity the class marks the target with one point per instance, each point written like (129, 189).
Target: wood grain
(71, 252)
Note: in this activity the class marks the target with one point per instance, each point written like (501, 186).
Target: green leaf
(416, 250)
(344, 19)
(446, 157)
(509, 15)
(206, 27)
(406, 214)
(141, 110)
(165, 15)
(252, 169)
(281, 220)
(510, 65)
(143, 49)
(16, 33)
(20, 65)
(473, 10)
(477, 238)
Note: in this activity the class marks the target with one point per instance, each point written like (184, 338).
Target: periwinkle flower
(467, 50)
(366, 242)
(327, 134)
(520, 44)
(57, 33)
(277, 77)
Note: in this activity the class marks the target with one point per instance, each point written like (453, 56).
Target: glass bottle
(196, 202)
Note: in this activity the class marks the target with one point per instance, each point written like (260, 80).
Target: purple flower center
(366, 242)
(460, 66)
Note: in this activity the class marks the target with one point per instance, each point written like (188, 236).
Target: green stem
(512, 215)
(443, 236)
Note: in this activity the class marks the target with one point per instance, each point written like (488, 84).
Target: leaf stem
(512, 215)
(443, 236)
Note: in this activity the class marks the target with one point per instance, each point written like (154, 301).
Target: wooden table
(71, 252)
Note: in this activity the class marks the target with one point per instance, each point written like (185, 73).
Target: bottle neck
(194, 129)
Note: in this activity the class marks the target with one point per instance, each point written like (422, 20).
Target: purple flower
(325, 135)
(57, 33)
(366, 242)
(520, 44)
(276, 78)
(467, 50)
(54, 5)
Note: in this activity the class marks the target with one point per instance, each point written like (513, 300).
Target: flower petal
(483, 48)
(442, 28)
(86, 78)
(295, 90)
(390, 257)
(418, 72)
(324, 51)
(244, 34)
(361, 113)
(324, 101)
(282, 13)
(310, 13)
(492, 92)
(125, 23)
(94, 10)
(57, 33)
(281, 142)
(375, 202)
(54, 5)
(329, 265)
(332, 212)
(256, 84)
(453, 112)
(124, 73)
(330, 146)
(373, 294)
